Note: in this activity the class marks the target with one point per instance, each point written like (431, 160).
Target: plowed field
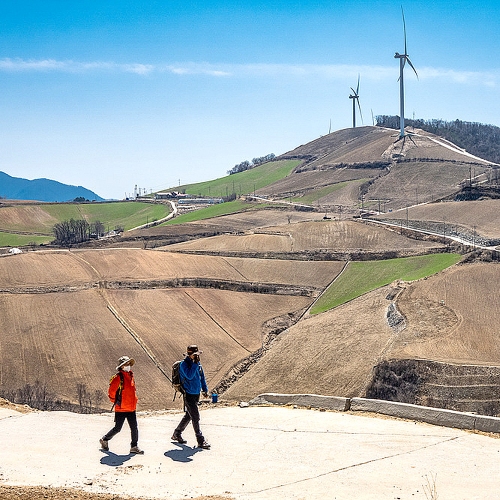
(452, 316)
(479, 215)
(325, 235)
(58, 326)
(332, 353)
(38, 269)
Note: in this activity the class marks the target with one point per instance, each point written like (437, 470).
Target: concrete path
(257, 453)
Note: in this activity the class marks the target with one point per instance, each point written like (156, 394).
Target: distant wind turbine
(355, 98)
(403, 58)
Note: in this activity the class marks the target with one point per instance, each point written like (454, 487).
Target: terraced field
(328, 235)
(481, 216)
(450, 317)
(67, 316)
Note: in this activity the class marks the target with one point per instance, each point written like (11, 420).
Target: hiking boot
(204, 445)
(136, 450)
(104, 444)
(178, 438)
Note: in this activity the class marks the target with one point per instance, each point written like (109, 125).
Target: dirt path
(45, 493)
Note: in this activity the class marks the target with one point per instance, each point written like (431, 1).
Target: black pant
(192, 415)
(120, 417)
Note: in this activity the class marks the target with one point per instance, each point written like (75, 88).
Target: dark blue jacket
(192, 376)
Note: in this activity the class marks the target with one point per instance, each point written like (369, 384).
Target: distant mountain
(16, 188)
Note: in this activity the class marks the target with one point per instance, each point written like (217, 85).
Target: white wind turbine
(355, 98)
(403, 58)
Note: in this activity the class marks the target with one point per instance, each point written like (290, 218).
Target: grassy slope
(126, 214)
(209, 212)
(243, 182)
(362, 277)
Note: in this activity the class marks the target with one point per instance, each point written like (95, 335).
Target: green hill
(32, 223)
(242, 182)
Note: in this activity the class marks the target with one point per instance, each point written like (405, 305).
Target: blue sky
(113, 94)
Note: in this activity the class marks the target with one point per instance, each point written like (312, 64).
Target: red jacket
(129, 397)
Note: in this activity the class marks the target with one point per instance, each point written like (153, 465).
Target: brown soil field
(347, 197)
(58, 328)
(331, 353)
(313, 179)
(339, 236)
(29, 217)
(481, 215)
(228, 326)
(362, 144)
(410, 183)
(450, 317)
(435, 173)
(233, 223)
(62, 339)
(453, 316)
(39, 270)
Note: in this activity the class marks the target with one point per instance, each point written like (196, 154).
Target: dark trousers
(192, 415)
(120, 417)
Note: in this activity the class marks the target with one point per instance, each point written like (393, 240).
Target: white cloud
(325, 71)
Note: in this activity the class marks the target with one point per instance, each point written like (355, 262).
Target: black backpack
(118, 394)
(176, 379)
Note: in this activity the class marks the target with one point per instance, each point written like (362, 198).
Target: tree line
(247, 165)
(38, 396)
(476, 138)
(71, 232)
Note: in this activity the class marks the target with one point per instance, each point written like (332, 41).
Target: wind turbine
(403, 59)
(355, 97)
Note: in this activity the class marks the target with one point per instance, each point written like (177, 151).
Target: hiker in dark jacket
(193, 382)
(122, 394)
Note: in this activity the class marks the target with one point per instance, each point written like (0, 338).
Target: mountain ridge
(48, 190)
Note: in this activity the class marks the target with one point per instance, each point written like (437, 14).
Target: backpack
(176, 379)
(118, 394)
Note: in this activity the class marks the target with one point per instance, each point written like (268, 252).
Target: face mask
(126, 368)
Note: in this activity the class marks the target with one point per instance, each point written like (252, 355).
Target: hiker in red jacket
(122, 394)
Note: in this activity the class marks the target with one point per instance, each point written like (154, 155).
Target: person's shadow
(114, 460)
(183, 454)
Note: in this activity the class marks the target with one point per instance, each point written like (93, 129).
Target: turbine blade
(357, 88)
(360, 114)
(353, 91)
(404, 26)
(412, 67)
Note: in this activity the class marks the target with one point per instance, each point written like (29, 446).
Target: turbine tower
(403, 59)
(355, 98)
